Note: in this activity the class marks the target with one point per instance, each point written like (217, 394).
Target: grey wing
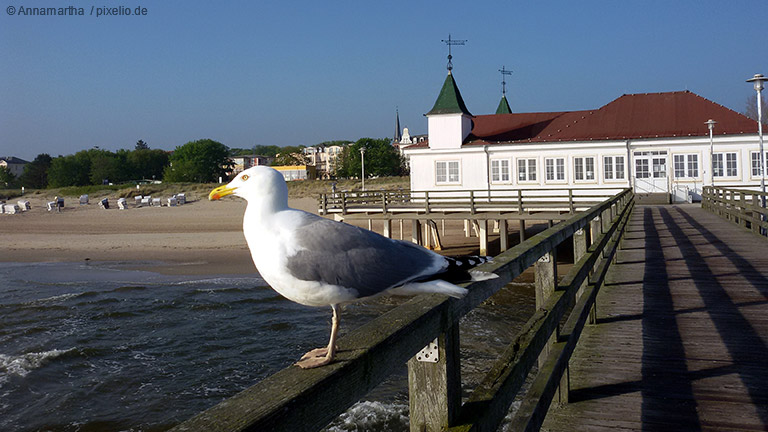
(341, 254)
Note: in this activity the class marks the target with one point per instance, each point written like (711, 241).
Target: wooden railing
(307, 400)
(743, 207)
(470, 201)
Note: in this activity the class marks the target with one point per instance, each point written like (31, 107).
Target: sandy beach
(200, 237)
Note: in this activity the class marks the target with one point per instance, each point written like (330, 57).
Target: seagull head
(259, 185)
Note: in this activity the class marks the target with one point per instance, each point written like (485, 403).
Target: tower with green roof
(449, 121)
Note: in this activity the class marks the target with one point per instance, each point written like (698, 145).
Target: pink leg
(323, 356)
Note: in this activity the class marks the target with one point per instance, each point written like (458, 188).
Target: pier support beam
(388, 228)
(482, 232)
(416, 232)
(503, 236)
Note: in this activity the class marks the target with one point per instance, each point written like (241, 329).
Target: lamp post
(711, 125)
(758, 81)
(362, 160)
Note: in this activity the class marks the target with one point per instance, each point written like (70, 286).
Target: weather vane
(450, 42)
(504, 72)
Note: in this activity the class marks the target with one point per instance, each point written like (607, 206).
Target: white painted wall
(475, 164)
(447, 131)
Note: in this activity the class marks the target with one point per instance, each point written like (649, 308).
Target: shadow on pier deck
(681, 340)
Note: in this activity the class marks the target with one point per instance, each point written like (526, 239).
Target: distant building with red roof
(652, 142)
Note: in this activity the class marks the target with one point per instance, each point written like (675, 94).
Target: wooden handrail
(307, 400)
(744, 207)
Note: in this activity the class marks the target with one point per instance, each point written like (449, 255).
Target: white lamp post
(362, 160)
(711, 125)
(758, 81)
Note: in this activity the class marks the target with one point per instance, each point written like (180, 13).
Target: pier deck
(681, 340)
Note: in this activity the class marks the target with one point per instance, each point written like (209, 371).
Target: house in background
(14, 165)
(656, 143)
(325, 158)
(243, 162)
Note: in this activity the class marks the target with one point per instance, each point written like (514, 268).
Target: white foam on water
(372, 416)
(23, 364)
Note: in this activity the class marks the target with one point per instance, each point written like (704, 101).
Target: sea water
(97, 347)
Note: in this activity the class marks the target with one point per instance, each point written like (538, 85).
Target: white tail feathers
(435, 286)
(478, 275)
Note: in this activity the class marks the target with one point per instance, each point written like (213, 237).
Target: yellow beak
(220, 192)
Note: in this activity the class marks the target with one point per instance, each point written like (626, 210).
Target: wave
(372, 415)
(23, 364)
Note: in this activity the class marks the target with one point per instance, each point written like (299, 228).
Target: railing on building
(307, 400)
(744, 207)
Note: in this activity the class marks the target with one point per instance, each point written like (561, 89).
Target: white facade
(679, 166)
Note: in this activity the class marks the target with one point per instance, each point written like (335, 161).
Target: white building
(656, 143)
(325, 158)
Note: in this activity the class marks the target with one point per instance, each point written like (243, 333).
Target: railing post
(546, 280)
(571, 206)
(426, 201)
(519, 201)
(472, 204)
(434, 388)
(579, 250)
(343, 203)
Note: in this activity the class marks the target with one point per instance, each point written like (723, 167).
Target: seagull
(316, 261)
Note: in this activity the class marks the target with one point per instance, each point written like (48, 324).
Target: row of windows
(723, 165)
(527, 169)
(684, 166)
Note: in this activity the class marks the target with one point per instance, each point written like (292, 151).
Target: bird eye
(244, 177)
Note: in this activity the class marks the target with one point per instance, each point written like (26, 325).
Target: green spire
(503, 106)
(449, 101)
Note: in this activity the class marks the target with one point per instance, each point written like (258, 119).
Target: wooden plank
(704, 282)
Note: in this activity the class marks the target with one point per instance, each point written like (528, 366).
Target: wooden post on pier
(482, 232)
(435, 387)
(416, 232)
(503, 236)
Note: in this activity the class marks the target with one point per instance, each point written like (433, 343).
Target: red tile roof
(646, 115)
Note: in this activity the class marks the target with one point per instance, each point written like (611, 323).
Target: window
(756, 163)
(641, 168)
(526, 170)
(584, 168)
(724, 166)
(447, 172)
(613, 167)
(500, 170)
(686, 165)
(555, 169)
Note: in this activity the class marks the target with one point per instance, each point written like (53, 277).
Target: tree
(35, 173)
(751, 108)
(7, 179)
(147, 164)
(198, 161)
(381, 159)
(290, 155)
(70, 170)
(141, 145)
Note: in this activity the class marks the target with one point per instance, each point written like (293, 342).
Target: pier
(660, 324)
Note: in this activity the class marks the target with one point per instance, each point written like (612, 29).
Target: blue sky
(299, 73)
